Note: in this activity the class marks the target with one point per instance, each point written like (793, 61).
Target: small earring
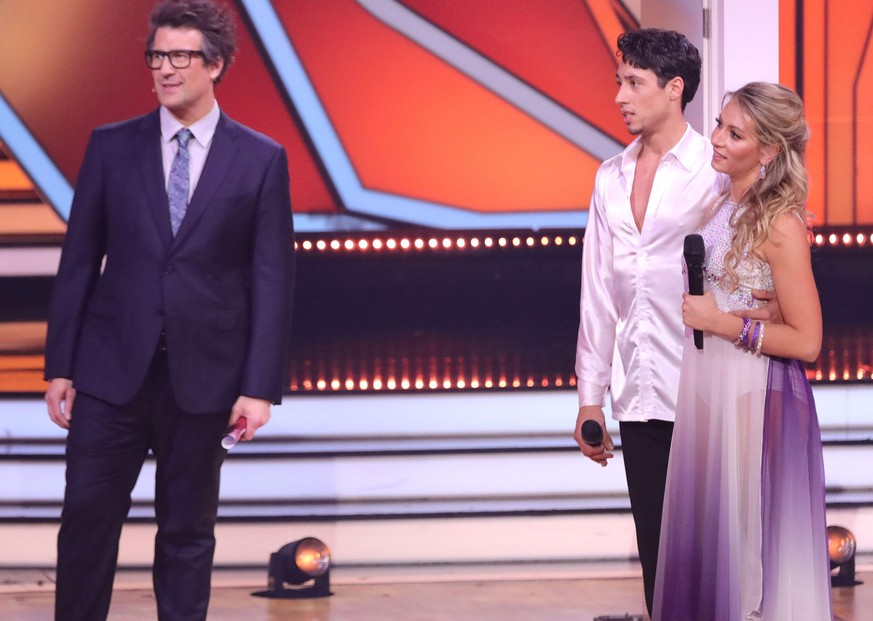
(762, 172)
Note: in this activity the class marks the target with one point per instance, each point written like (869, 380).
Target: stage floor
(533, 599)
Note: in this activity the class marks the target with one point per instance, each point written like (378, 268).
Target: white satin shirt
(630, 328)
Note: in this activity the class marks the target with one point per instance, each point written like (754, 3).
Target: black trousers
(646, 450)
(106, 448)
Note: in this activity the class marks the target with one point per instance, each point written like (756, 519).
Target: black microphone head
(592, 433)
(695, 251)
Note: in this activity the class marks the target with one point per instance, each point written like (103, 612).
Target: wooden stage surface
(483, 600)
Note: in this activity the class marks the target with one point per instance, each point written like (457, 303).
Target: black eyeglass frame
(155, 58)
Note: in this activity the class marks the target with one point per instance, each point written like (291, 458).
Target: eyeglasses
(178, 58)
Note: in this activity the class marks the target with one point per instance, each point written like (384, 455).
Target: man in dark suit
(169, 319)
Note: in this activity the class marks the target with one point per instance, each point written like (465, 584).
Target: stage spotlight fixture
(841, 551)
(295, 564)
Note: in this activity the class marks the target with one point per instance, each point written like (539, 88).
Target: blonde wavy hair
(775, 117)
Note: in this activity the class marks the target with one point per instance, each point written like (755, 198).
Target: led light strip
(413, 243)
(845, 239)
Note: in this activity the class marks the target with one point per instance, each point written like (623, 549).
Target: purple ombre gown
(743, 534)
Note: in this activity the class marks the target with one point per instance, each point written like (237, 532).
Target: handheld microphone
(232, 437)
(592, 433)
(695, 254)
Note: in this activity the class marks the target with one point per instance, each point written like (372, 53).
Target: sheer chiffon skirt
(743, 532)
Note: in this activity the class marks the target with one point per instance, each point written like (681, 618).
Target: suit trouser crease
(106, 449)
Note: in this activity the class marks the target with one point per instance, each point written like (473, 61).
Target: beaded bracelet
(743, 338)
(756, 343)
(760, 344)
(753, 342)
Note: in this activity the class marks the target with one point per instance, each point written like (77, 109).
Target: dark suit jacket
(221, 289)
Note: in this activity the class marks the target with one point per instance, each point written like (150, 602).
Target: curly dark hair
(667, 53)
(213, 20)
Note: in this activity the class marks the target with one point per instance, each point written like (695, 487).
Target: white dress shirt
(630, 329)
(202, 133)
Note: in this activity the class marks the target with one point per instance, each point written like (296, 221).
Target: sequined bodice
(751, 272)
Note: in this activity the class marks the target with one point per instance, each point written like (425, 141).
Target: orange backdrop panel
(558, 47)
(830, 65)
(413, 125)
(67, 80)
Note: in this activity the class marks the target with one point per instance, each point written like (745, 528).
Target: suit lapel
(149, 150)
(221, 154)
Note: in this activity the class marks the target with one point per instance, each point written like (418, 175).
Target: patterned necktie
(177, 191)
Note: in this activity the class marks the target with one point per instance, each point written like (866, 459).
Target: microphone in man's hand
(695, 254)
(236, 432)
(592, 433)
